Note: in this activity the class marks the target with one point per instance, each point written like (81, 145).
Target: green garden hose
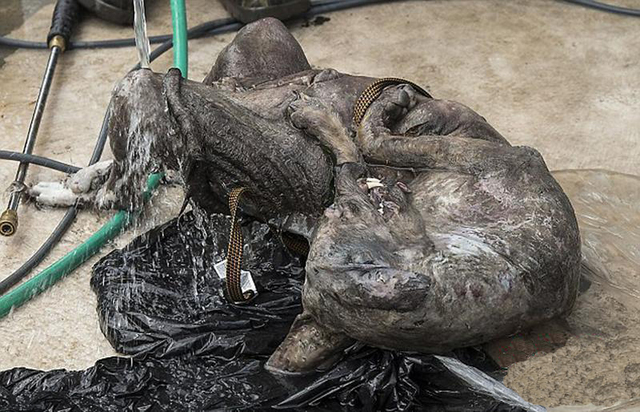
(120, 221)
(73, 259)
(180, 44)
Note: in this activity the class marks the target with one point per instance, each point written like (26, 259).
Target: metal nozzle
(8, 222)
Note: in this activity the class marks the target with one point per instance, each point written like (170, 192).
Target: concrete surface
(545, 73)
(594, 356)
(12, 15)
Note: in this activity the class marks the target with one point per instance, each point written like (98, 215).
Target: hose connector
(58, 41)
(8, 222)
(65, 15)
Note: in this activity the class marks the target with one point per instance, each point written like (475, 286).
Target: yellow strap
(295, 243)
(234, 253)
(373, 91)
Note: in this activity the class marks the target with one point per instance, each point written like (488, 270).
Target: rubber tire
(115, 11)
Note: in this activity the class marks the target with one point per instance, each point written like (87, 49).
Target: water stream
(140, 30)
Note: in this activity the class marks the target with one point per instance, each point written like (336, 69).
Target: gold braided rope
(234, 253)
(233, 275)
(374, 90)
(296, 244)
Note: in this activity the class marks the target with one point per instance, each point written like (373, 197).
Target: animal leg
(319, 121)
(465, 149)
(307, 347)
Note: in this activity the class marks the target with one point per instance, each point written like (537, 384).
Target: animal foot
(390, 108)
(398, 103)
(320, 122)
(313, 116)
(307, 347)
(55, 194)
(395, 103)
(90, 178)
(84, 187)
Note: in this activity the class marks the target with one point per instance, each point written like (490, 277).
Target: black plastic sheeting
(160, 302)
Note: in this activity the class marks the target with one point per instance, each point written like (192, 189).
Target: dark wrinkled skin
(466, 239)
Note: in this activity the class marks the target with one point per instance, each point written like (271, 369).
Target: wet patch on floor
(12, 14)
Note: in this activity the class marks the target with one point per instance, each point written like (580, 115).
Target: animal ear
(307, 347)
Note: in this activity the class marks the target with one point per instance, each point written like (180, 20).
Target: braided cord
(234, 252)
(373, 91)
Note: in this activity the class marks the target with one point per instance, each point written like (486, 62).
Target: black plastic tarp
(160, 302)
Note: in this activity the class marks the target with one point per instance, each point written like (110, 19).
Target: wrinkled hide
(461, 239)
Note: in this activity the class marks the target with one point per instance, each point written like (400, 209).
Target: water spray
(122, 219)
(64, 17)
(140, 31)
(49, 276)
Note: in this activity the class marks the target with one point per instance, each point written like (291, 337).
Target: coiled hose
(212, 27)
(38, 160)
(111, 229)
(76, 257)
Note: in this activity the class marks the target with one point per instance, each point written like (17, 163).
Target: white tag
(373, 182)
(246, 280)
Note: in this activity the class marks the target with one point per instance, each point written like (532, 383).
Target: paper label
(246, 280)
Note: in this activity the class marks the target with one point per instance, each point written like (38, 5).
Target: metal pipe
(9, 219)
(64, 16)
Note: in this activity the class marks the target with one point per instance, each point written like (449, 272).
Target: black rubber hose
(606, 7)
(340, 5)
(22, 44)
(101, 142)
(69, 217)
(204, 30)
(38, 160)
(98, 149)
(41, 253)
(65, 15)
(66, 222)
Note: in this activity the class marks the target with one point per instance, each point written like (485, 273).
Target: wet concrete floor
(545, 73)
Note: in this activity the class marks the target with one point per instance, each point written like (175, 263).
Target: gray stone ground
(545, 73)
